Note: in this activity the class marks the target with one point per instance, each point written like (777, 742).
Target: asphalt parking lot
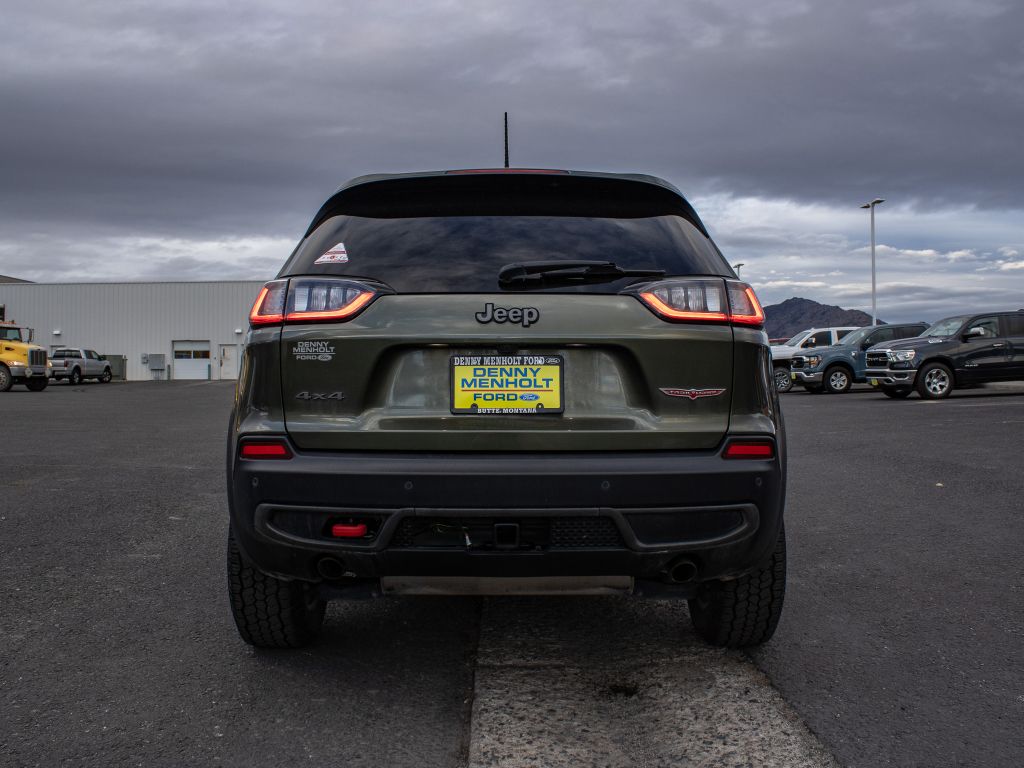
(900, 643)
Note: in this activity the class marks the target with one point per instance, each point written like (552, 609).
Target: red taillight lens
(265, 449)
(744, 308)
(313, 298)
(749, 449)
(704, 300)
(269, 305)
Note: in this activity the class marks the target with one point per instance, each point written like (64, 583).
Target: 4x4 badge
(693, 394)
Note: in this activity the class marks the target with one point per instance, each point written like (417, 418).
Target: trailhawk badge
(693, 394)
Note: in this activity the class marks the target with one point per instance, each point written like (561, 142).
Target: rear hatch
(501, 312)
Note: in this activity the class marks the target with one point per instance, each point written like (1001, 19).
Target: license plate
(497, 384)
(874, 382)
(792, 376)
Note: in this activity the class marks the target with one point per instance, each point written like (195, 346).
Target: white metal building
(165, 330)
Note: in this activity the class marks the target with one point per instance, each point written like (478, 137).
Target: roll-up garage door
(191, 359)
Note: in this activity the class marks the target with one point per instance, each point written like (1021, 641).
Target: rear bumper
(657, 507)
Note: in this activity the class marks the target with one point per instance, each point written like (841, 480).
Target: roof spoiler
(501, 191)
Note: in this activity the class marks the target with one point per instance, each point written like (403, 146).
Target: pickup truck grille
(877, 360)
(796, 362)
(37, 357)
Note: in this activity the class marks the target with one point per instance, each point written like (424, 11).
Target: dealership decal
(321, 351)
(692, 394)
(337, 255)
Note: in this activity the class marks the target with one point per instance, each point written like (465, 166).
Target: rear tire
(783, 380)
(744, 611)
(837, 380)
(105, 378)
(37, 384)
(75, 378)
(934, 381)
(895, 393)
(6, 380)
(271, 612)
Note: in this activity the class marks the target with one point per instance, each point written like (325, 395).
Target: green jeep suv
(506, 381)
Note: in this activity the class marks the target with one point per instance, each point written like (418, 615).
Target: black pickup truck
(958, 351)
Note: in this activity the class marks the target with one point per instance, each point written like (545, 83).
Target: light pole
(737, 267)
(871, 207)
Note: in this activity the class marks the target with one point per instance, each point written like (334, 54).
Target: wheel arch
(946, 361)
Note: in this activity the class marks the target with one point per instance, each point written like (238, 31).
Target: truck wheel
(896, 393)
(105, 378)
(745, 611)
(783, 381)
(37, 383)
(5, 378)
(270, 612)
(75, 378)
(837, 380)
(934, 381)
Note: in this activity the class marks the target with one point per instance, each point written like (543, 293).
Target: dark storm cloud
(147, 139)
(207, 117)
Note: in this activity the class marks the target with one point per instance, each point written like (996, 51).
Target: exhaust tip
(330, 568)
(682, 571)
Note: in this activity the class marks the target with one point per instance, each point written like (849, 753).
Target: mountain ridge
(796, 314)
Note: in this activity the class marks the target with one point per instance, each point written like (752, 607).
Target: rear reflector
(277, 449)
(749, 449)
(348, 531)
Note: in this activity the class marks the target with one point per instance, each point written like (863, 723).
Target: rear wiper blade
(538, 272)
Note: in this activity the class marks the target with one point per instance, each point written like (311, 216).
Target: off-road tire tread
(270, 612)
(745, 611)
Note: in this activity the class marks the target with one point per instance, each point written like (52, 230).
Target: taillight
(269, 305)
(309, 299)
(275, 448)
(317, 298)
(704, 300)
(749, 449)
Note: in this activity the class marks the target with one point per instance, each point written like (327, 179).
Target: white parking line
(610, 682)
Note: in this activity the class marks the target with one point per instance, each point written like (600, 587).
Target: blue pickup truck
(835, 369)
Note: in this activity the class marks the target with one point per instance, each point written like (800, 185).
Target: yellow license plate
(499, 384)
(874, 382)
(792, 376)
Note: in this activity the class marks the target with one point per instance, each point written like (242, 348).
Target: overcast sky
(194, 140)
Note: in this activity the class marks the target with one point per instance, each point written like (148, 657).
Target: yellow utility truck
(21, 361)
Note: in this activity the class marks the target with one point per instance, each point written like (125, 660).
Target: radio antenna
(506, 139)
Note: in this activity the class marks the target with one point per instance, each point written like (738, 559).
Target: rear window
(463, 254)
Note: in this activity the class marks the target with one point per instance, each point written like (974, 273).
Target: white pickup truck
(77, 364)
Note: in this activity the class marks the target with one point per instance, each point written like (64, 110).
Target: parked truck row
(22, 362)
(899, 359)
